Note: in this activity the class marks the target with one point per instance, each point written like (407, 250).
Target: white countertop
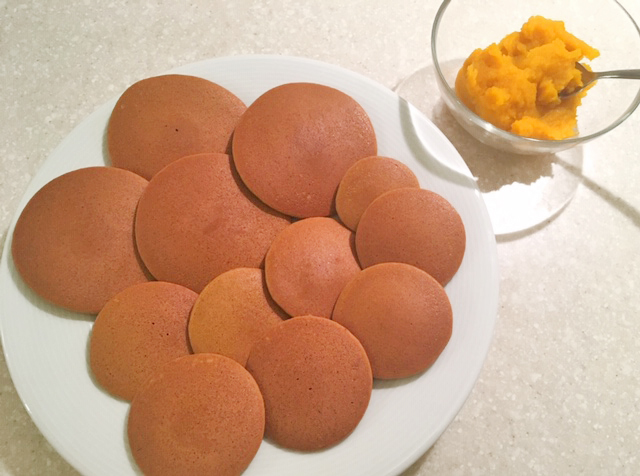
(560, 390)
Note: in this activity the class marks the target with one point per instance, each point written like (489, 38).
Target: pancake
(197, 220)
(295, 142)
(400, 314)
(232, 312)
(413, 226)
(201, 414)
(73, 243)
(365, 181)
(308, 264)
(315, 379)
(160, 119)
(138, 331)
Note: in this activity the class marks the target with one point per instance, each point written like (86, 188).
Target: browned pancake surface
(413, 226)
(400, 314)
(315, 379)
(201, 414)
(160, 119)
(197, 220)
(296, 141)
(232, 312)
(365, 181)
(73, 243)
(308, 264)
(138, 331)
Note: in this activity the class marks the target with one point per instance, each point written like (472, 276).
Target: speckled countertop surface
(560, 390)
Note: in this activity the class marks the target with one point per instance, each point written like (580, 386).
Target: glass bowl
(461, 26)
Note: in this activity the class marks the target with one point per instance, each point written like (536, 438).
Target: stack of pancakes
(252, 269)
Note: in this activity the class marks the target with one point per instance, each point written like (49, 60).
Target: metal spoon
(589, 77)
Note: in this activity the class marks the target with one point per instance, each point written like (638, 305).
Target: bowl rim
(509, 136)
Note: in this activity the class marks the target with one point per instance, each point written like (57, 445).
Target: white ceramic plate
(46, 348)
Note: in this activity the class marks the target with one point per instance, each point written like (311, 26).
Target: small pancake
(138, 331)
(73, 243)
(160, 119)
(413, 226)
(197, 220)
(295, 142)
(315, 379)
(308, 264)
(201, 414)
(400, 314)
(232, 312)
(365, 181)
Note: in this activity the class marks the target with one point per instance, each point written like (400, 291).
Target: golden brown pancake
(413, 226)
(200, 414)
(73, 243)
(138, 331)
(295, 142)
(365, 181)
(315, 379)
(308, 264)
(160, 119)
(197, 220)
(232, 312)
(400, 314)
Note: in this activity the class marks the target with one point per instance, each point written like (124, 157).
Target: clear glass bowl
(461, 26)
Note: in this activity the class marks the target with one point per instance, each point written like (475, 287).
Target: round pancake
(315, 379)
(73, 243)
(160, 119)
(138, 331)
(232, 312)
(295, 142)
(413, 226)
(365, 181)
(197, 220)
(400, 314)
(308, 264)
(201, 414)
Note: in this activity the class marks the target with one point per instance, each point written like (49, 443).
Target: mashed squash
(515, 84)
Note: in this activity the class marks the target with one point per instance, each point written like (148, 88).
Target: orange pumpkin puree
(515, 84)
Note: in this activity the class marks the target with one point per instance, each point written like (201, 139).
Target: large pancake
(316, 382)
(308, 264)
(232, 312)
(138, 331)
(160, 119)
(73, 243)
(365, 181)
(201, 414)
(413, 226)
(295, 142)
(400, 314)
(197, 220)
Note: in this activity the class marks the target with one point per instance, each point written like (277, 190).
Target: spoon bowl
(589, 77)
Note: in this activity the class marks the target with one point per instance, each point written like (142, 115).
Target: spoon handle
(620, 73)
